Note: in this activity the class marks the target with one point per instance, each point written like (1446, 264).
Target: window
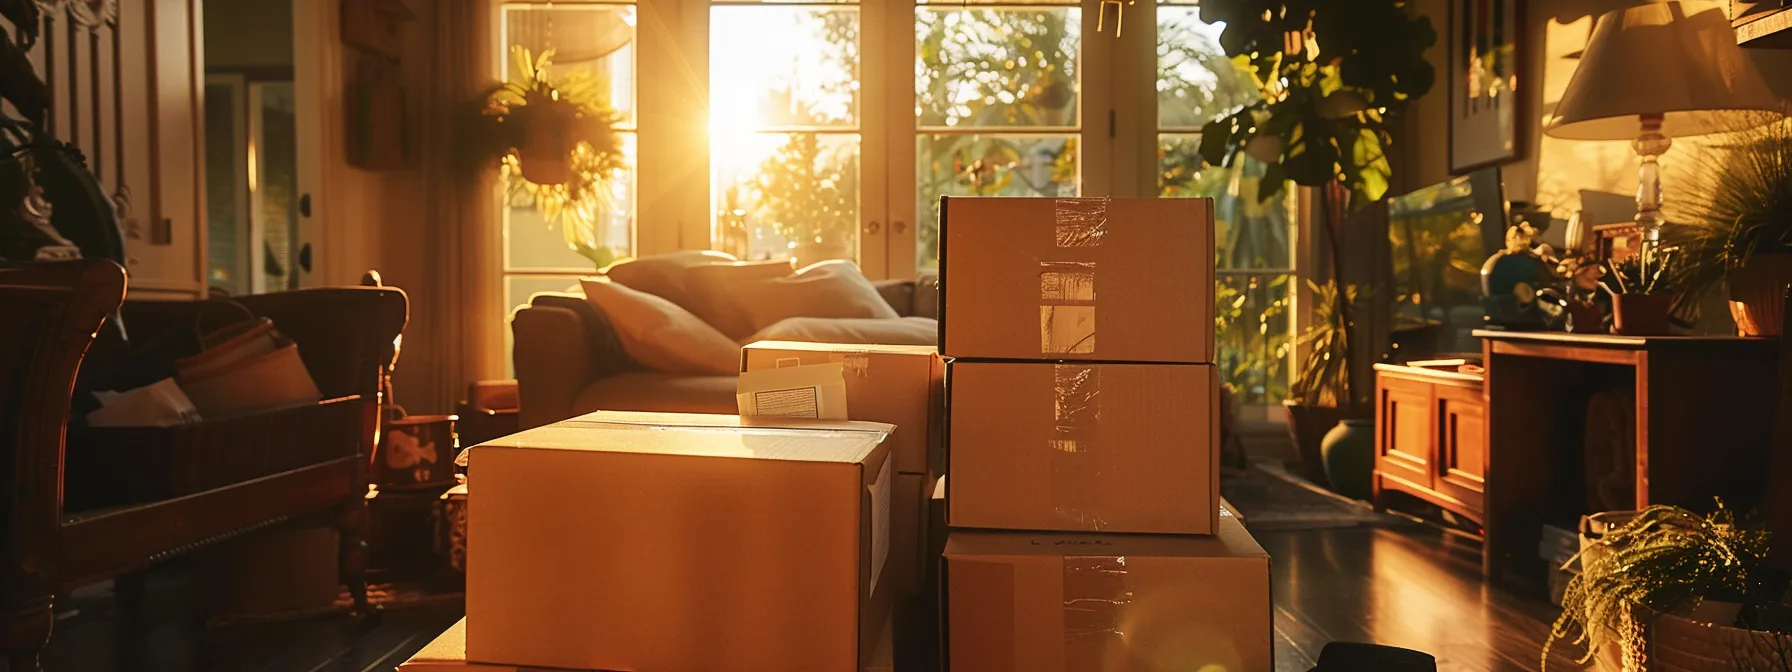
(834, 127)
(996, 106)
(1253, 238)
(550, 256)
(785, 140)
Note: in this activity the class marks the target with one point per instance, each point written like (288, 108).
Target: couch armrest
(553, 362)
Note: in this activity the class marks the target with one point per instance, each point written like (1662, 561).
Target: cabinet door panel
(1461, 444)
(1404, 430)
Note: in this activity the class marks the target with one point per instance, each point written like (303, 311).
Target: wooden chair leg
(351, 524)
(24, 633)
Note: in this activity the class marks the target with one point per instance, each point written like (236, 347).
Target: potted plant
(1582, 298)
(1325, 395)
(1643, 289)
(1735, 230)
(1700, 577)
(556, 142)
(1330, 73)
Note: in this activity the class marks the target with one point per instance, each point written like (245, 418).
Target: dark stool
(1356, 657)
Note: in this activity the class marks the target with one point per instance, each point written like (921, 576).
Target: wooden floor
(1412, 587)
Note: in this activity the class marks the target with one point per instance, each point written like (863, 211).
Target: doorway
(253, 201)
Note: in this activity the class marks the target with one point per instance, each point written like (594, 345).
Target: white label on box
(803, 402)
(880, 525)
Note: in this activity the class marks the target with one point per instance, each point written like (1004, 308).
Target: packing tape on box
(856, 363)
(1066, 307)
(1076, 458)
(1080, 222)
(1097, 591)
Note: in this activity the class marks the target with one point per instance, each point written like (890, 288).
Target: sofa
(570, 361)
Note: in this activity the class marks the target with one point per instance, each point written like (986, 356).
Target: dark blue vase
(1348, 452)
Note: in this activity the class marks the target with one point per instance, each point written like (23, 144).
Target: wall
(1551, 172)
(254, 34)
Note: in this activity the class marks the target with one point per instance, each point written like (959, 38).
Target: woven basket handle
(210, 338)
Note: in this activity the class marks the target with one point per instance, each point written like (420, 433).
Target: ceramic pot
(1585, 318)
(1349, 455)
(1641, 314)
(545, 154)
(1307, 426)
(416, 451)
(1758, 294)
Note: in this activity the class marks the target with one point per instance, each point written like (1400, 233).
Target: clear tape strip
(1080, 222)
(1066, 330)
(1076, 459)
(1066, 281)
(1097, 591)
(856, 363)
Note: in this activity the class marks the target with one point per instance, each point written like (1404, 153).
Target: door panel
(1461, 444)
(1404, 434)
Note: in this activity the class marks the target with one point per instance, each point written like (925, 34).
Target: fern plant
(575, 102)
(1665, 561)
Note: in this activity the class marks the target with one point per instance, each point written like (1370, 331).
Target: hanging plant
(556, 142)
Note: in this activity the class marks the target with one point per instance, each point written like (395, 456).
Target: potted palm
(1735, 231)
(1643, 288)
(1330, 72)
(1673, 585)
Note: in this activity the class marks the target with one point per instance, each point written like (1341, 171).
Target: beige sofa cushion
(658, 392)
(659, 334)
(717, 290)
(665, 275)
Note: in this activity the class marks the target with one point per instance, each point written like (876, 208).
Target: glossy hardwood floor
(1413, 587)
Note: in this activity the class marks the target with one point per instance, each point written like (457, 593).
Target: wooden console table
(1703, 424)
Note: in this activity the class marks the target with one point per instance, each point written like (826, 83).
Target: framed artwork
(1485, 104)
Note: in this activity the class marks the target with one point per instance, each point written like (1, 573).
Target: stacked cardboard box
(647, 541)
(1082, 443)
(903, 386)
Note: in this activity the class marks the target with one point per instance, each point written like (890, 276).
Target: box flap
(702, 436)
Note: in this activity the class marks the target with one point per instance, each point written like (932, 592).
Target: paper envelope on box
(815, 392)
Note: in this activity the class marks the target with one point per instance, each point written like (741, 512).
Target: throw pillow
(659, 334)
(900, 331)
(826, 289)
(717, 290)
(664, 275)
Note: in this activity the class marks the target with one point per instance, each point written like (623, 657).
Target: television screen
(1440, 236)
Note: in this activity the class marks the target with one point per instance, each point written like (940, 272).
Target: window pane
(780, 66)
(987, 165)
(1196, 82)
(531, 242)
(517, 290)
(599, 39)
(996, 67)
(1248, 232)
(782, 195)
(1254, 336)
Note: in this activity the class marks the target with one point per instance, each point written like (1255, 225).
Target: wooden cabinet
(125, 87)
(1429, 436)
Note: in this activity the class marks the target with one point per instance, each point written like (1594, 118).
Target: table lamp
(1656, 72)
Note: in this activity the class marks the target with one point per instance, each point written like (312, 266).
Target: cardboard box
(1083, 447)
(1054, 602)
(651, 541)
(902, 385)
(448, 653)
(1040, 278)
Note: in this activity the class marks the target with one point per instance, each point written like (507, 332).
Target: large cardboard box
(1057, 602)
(1086, 278)
(1083, 447)
(648, 541)
(902, 385)
(448, 653)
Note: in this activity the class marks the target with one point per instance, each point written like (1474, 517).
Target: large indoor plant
(1734, 228)
(1702, 575)
(555, 138)
(1330, 72)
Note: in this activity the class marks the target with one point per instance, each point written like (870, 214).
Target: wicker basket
(113, 466)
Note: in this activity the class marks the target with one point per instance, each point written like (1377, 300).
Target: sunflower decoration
(556, 143)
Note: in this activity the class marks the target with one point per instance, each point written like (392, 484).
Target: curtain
(453, 309)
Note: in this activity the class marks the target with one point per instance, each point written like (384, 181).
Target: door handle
(898, 227)
(873, 227)
(305, 258)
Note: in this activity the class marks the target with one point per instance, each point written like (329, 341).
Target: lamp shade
(1675, 59)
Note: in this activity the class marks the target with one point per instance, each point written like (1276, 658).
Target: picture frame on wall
(1486, 92)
